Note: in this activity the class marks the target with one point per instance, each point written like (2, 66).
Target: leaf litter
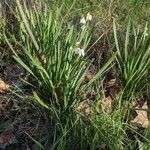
(4, 87)
(141, 118)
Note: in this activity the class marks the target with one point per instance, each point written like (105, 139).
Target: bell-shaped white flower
(79, 51)
(83, 21)
(88, 17)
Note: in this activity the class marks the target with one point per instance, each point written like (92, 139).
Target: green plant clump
(53, 48)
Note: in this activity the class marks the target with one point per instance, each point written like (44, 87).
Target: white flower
(83, 21)
(79, 51)
(88, 17)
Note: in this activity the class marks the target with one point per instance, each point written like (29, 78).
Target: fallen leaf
(112, 88)
(141, 120)
(87, 78)
(83, 107)
(90, 94)
(4, 87)
(107, 103)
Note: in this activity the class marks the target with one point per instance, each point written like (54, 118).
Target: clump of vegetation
(85, 103)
